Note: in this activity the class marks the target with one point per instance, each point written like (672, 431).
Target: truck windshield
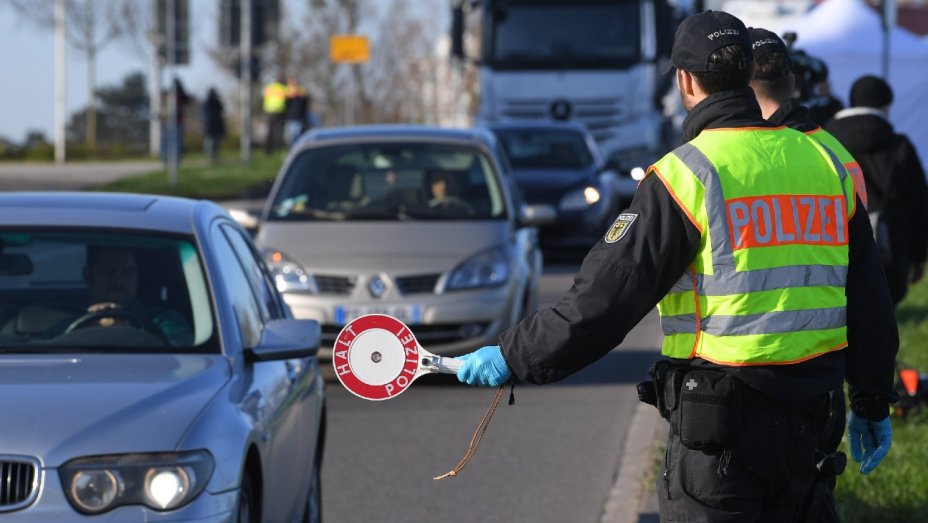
(563, 35)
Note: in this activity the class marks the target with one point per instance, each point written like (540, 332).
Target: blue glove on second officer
(484, 367)
(875, 438)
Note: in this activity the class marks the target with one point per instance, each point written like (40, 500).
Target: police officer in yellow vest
(767, 281)
(274, 102)
(774, 85)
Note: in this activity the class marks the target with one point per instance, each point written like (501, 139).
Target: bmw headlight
(289, 275)
(162, 481)
(579, 199)
(489, 268)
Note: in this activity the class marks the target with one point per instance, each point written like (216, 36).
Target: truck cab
(591, 61)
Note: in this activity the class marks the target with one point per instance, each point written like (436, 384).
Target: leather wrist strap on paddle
(481, 428)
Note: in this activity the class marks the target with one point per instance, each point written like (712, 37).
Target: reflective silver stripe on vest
(764, 323)
(727, 284)
(697, 162)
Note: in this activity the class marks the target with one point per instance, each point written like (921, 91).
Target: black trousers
(769, 472)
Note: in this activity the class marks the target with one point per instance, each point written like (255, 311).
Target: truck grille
(420, 284)
(600, 115)
(19, 482)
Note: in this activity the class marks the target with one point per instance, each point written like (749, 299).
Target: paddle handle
(449, 365)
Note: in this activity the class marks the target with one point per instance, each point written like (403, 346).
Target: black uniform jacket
(896, 186)
(619, 283)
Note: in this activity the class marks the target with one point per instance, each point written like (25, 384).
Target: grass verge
(898, 489)
(196, 178)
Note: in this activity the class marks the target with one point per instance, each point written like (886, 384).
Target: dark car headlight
(161, 481)
(489, 268)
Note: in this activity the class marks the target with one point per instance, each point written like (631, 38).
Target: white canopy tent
(848, 35)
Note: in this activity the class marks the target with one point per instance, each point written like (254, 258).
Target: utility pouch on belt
(663, 389)
(708, 411)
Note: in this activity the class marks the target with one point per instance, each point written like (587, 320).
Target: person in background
(296, 111)
(172, 132)
(274, 101)
(214, 125)
(895, 181)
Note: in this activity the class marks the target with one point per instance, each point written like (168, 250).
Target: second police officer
(748, 240)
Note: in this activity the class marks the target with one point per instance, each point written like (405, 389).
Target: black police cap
(763, 43)
(700, 35)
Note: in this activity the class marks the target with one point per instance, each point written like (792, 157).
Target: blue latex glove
(874, 436)
(484, 367)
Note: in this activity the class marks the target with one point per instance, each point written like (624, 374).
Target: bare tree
(89, 26)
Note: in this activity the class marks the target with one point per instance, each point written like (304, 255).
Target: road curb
(625, 497)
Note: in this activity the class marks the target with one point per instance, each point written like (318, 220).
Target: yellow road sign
(348, 48)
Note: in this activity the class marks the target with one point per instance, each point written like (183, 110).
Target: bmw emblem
(376, 286)
(560, 109)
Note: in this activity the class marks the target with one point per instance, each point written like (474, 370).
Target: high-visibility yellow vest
(767, 283)
(275, 98)
(850, 164)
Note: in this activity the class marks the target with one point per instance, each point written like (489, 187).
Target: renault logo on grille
(561, 109)
(376, 286)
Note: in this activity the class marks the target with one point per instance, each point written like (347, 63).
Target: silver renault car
(422, 223)
(149, 369)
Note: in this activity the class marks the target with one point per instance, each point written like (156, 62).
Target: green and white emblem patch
(620, 227)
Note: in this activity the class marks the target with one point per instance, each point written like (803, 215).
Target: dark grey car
(149, 369)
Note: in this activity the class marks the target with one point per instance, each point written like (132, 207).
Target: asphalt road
(553, 456)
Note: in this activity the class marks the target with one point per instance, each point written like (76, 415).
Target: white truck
(593, 61)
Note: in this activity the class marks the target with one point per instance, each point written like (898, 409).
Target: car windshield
(100, 291)
(545, 149)
(390, 181)
(588, 34)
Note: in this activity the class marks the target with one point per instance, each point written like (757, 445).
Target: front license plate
(408, 314)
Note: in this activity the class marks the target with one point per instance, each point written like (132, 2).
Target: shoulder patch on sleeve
(620, 227)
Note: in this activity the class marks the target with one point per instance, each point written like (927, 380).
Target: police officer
(774, 84)
(746, 239)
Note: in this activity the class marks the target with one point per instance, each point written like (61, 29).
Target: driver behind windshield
(112, 277)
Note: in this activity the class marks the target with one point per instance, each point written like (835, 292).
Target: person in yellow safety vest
(748, 240)
(274, 101)
(774, 85)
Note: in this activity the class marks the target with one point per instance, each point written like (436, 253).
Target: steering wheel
(452, 202)
(134, 319)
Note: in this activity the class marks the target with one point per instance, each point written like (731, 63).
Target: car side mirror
(287, 338)
(537, 214)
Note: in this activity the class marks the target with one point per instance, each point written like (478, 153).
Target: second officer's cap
(763, 43)
(700, 35)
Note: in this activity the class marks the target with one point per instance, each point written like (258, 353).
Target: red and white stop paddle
(377, 357)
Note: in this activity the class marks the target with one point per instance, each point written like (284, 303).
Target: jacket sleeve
(916, 196)
(873, 338)
(616, 286)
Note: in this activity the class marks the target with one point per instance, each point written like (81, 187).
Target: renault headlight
(579, 199)
(489, 268)
(289, 275)
(162, 481)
